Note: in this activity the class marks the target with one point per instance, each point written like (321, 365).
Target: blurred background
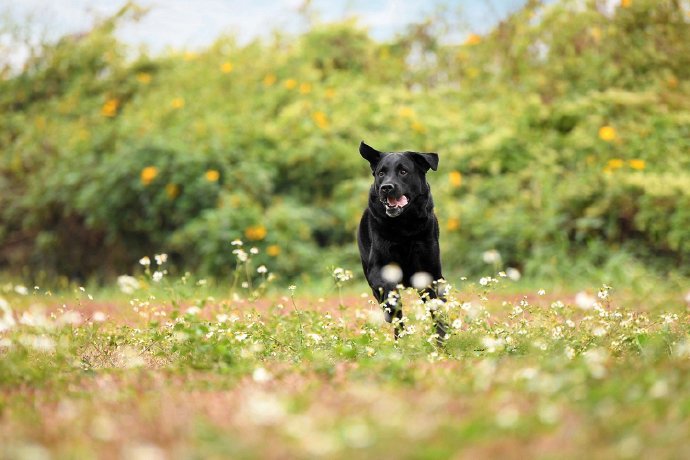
(563, 129)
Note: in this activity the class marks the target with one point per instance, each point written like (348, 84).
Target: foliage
(563, 136)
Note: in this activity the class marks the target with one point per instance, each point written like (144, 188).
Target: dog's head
(399, 177)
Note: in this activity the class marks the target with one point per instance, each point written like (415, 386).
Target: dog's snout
(387, 188)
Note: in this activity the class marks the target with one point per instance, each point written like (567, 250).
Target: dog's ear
(370, 154)
(426, 160)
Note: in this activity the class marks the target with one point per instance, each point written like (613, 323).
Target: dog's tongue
(399, 202)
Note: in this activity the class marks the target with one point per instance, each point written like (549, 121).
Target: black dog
(399, 228)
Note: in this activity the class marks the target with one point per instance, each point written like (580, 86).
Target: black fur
(405, 236)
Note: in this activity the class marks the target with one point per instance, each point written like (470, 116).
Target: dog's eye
(381, 174)
(403, 172)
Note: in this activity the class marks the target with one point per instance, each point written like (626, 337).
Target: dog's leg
(436, 292)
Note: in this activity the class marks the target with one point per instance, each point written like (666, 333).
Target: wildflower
(241, 255)
(320, 119)
(292, 289)
(193, 310)
(261, 375)
(418, 127)
(157, 276)
(128, 284)
(290, 83)
(161, 258)
(110, 107)
(254, 251)
(406, 112)
(639, 165)
(491, 257)
(212, 175)
(513, 273)
(341, 275)
(392, 273)
(236, 242)
(144, 78)
(148, 174)
(613, 164)
(626, 3)
(172, 191)
(99, 316)
(7, 321)
(584, 301)
(269, 79)
(305, 88)
(457, 323)
(541, 292)
(145, 261)
(21, 290)
(484, 281)
(177, 103)
(255, 232)
(421, 280)
(455, 178)
(273, 250)
(473, 39)
(262, 269)
(453, 224)
(607, 133)
(226, 67)
(330, 93)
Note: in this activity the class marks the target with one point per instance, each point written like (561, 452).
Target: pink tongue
(400, 202)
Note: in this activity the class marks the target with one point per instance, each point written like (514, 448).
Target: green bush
(563, 133)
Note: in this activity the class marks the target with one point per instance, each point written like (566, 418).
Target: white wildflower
(127, 284)
(145, 261)
(513, 273)
(421, 280)
(261, 375)
(541, 292)
(7, 321)
(392, 273)
(457, 324)
(262, 269)
(161, 258)
(157, 276)
(98, 316)
(236, 242)
(193, 310)
(584, 301)
(491, 256)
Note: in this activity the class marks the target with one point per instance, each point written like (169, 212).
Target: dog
(398, 233)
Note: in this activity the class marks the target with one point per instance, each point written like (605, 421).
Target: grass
(182, 369)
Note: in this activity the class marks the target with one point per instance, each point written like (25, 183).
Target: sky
(193, 24)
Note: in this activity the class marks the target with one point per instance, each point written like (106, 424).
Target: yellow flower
(172, 190)
(473, 39)
(453, 224)
(626, 3)
(418, 127)
(273, 250)
(455, 178)
(226, 67)
(269, 79)
(110, 107)
(212, 175)
(305, 88)
(330, 93)
(613, 164)
(177, 103)
(290, 83)
(148, 174)
(607, 133)
(255, 232)
(144, 78)
(406, 112)
(637, 164)
(320, 119)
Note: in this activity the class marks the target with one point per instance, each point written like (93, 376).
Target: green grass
(182, 370)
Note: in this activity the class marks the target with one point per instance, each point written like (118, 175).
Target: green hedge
(564, 135)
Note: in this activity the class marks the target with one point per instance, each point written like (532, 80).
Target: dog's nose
(387, 188)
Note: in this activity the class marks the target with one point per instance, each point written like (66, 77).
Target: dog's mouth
(394, 206)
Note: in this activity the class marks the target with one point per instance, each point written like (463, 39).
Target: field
(180, 368)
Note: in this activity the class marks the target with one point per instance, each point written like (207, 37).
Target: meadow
(184, 368)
